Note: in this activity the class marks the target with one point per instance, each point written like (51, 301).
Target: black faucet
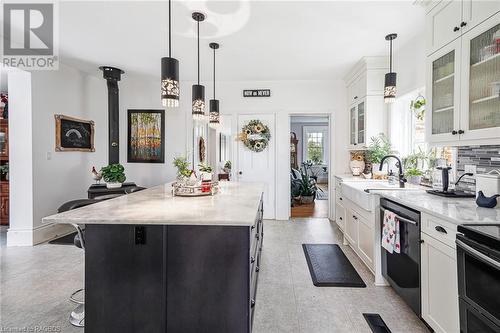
(401, 175)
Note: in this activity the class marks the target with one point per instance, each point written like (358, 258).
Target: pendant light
(390, 78)
(214, 114)
(198, 107)
(169, 72)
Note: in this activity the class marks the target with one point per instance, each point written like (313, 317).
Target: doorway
(309, 166)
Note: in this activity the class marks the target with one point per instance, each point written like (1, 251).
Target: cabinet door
(361, 121)
(352, 126)
(444, 95)
(480, 117)
(476, 11)
(340, 216)
(365, 241)
(443, 24)
(439, 286)
(351, 228)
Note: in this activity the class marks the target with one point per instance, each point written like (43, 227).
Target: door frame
(331, 153)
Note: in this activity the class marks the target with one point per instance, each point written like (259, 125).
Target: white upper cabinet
(475, 11)
(367, 112)
(480, 96)
(463, 81)
(449, 19)
(443, 68)
(443, 24)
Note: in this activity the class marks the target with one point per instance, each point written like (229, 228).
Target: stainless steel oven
(478, 260)
(402, 270)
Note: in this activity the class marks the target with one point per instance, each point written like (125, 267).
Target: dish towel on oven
(390, 232)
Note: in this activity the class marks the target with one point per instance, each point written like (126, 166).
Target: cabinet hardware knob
(441, 229)
(454, 132)
(252, 303)
(253, 227)
(240, 172)
(421, 241)
(355, 144)
(463, 24)
(257, 269)
(355, 97)
(461, 131)
(340, 218)
(456, 29)
(252, 260)
(340, 198)
(354, 217)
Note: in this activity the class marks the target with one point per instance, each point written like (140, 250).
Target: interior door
(259, 167)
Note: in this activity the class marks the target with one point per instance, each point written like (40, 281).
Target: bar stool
(77, 316)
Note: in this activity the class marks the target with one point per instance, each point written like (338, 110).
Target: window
(315, 144)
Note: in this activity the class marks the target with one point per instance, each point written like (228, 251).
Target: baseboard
(42, 234)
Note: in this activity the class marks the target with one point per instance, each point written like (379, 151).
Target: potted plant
(113, 175)
(307, 189)
(183, 171)
(206, 171)
(4, 170)
(414, 176)
(378, 148)
(227, 167)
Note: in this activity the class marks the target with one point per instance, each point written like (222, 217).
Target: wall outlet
(470, 168)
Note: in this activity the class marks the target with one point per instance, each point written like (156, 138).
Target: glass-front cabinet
(464, 81)
(357, 135)
(443, 120)
(481, 78)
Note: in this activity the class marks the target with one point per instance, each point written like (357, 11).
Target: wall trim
(41, 234)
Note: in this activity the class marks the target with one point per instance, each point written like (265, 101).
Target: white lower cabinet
(439, 285)
(351, 228)
(365, 241)
(340, 216)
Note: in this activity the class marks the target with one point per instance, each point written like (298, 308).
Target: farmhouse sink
(359, 191)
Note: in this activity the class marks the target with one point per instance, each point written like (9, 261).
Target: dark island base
(171, 278)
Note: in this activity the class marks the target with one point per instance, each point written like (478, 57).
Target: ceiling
(260, 40)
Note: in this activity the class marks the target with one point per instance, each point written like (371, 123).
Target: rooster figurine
(97, 176)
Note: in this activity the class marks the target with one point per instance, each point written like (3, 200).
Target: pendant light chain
(198, 52)
(390, 57)
(214, 73)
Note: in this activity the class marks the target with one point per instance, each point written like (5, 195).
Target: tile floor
(36, 281)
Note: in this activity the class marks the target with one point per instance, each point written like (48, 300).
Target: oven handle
(478, 254)
(401, 219)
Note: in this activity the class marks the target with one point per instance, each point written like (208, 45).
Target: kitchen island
(161, 263)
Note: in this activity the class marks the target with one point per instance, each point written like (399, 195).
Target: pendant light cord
(169, 29)
(198, 24)
(214, 73)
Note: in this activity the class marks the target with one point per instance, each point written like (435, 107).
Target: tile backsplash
(484, 158)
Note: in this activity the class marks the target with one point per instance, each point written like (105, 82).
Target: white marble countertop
(454, 210)
(236, 204)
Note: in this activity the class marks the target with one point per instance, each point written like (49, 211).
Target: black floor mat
(329, 266)
(376, 323)
(64, 240)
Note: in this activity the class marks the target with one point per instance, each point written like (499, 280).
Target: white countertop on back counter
(236, 204)
(455, 210)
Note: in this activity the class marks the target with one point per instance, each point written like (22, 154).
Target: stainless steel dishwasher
(402, 270)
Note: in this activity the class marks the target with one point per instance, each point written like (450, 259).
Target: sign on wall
(257, 93)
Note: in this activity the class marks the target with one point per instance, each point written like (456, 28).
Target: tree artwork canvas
(146, 136)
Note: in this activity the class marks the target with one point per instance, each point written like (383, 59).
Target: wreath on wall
(255, 136)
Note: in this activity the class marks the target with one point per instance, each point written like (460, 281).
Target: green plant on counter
(378, 148)
(205, 167)
(413, 172)
(413, 160)
(113, 173)
(228, 165)
(4, 169)
(182, 166)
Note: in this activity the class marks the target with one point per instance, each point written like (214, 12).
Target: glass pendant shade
(170, 82)
(390, 87)
(214, 115)
(198, 109)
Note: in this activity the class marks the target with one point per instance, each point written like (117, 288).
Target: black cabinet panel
(124, 281)
(208, 279)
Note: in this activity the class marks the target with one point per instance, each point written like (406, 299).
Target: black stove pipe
(112, 75)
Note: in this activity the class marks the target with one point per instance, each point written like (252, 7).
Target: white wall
(409, 63)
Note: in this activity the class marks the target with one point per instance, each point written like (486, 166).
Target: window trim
(315, 129)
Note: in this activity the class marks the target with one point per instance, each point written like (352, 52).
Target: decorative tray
(198, 190)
